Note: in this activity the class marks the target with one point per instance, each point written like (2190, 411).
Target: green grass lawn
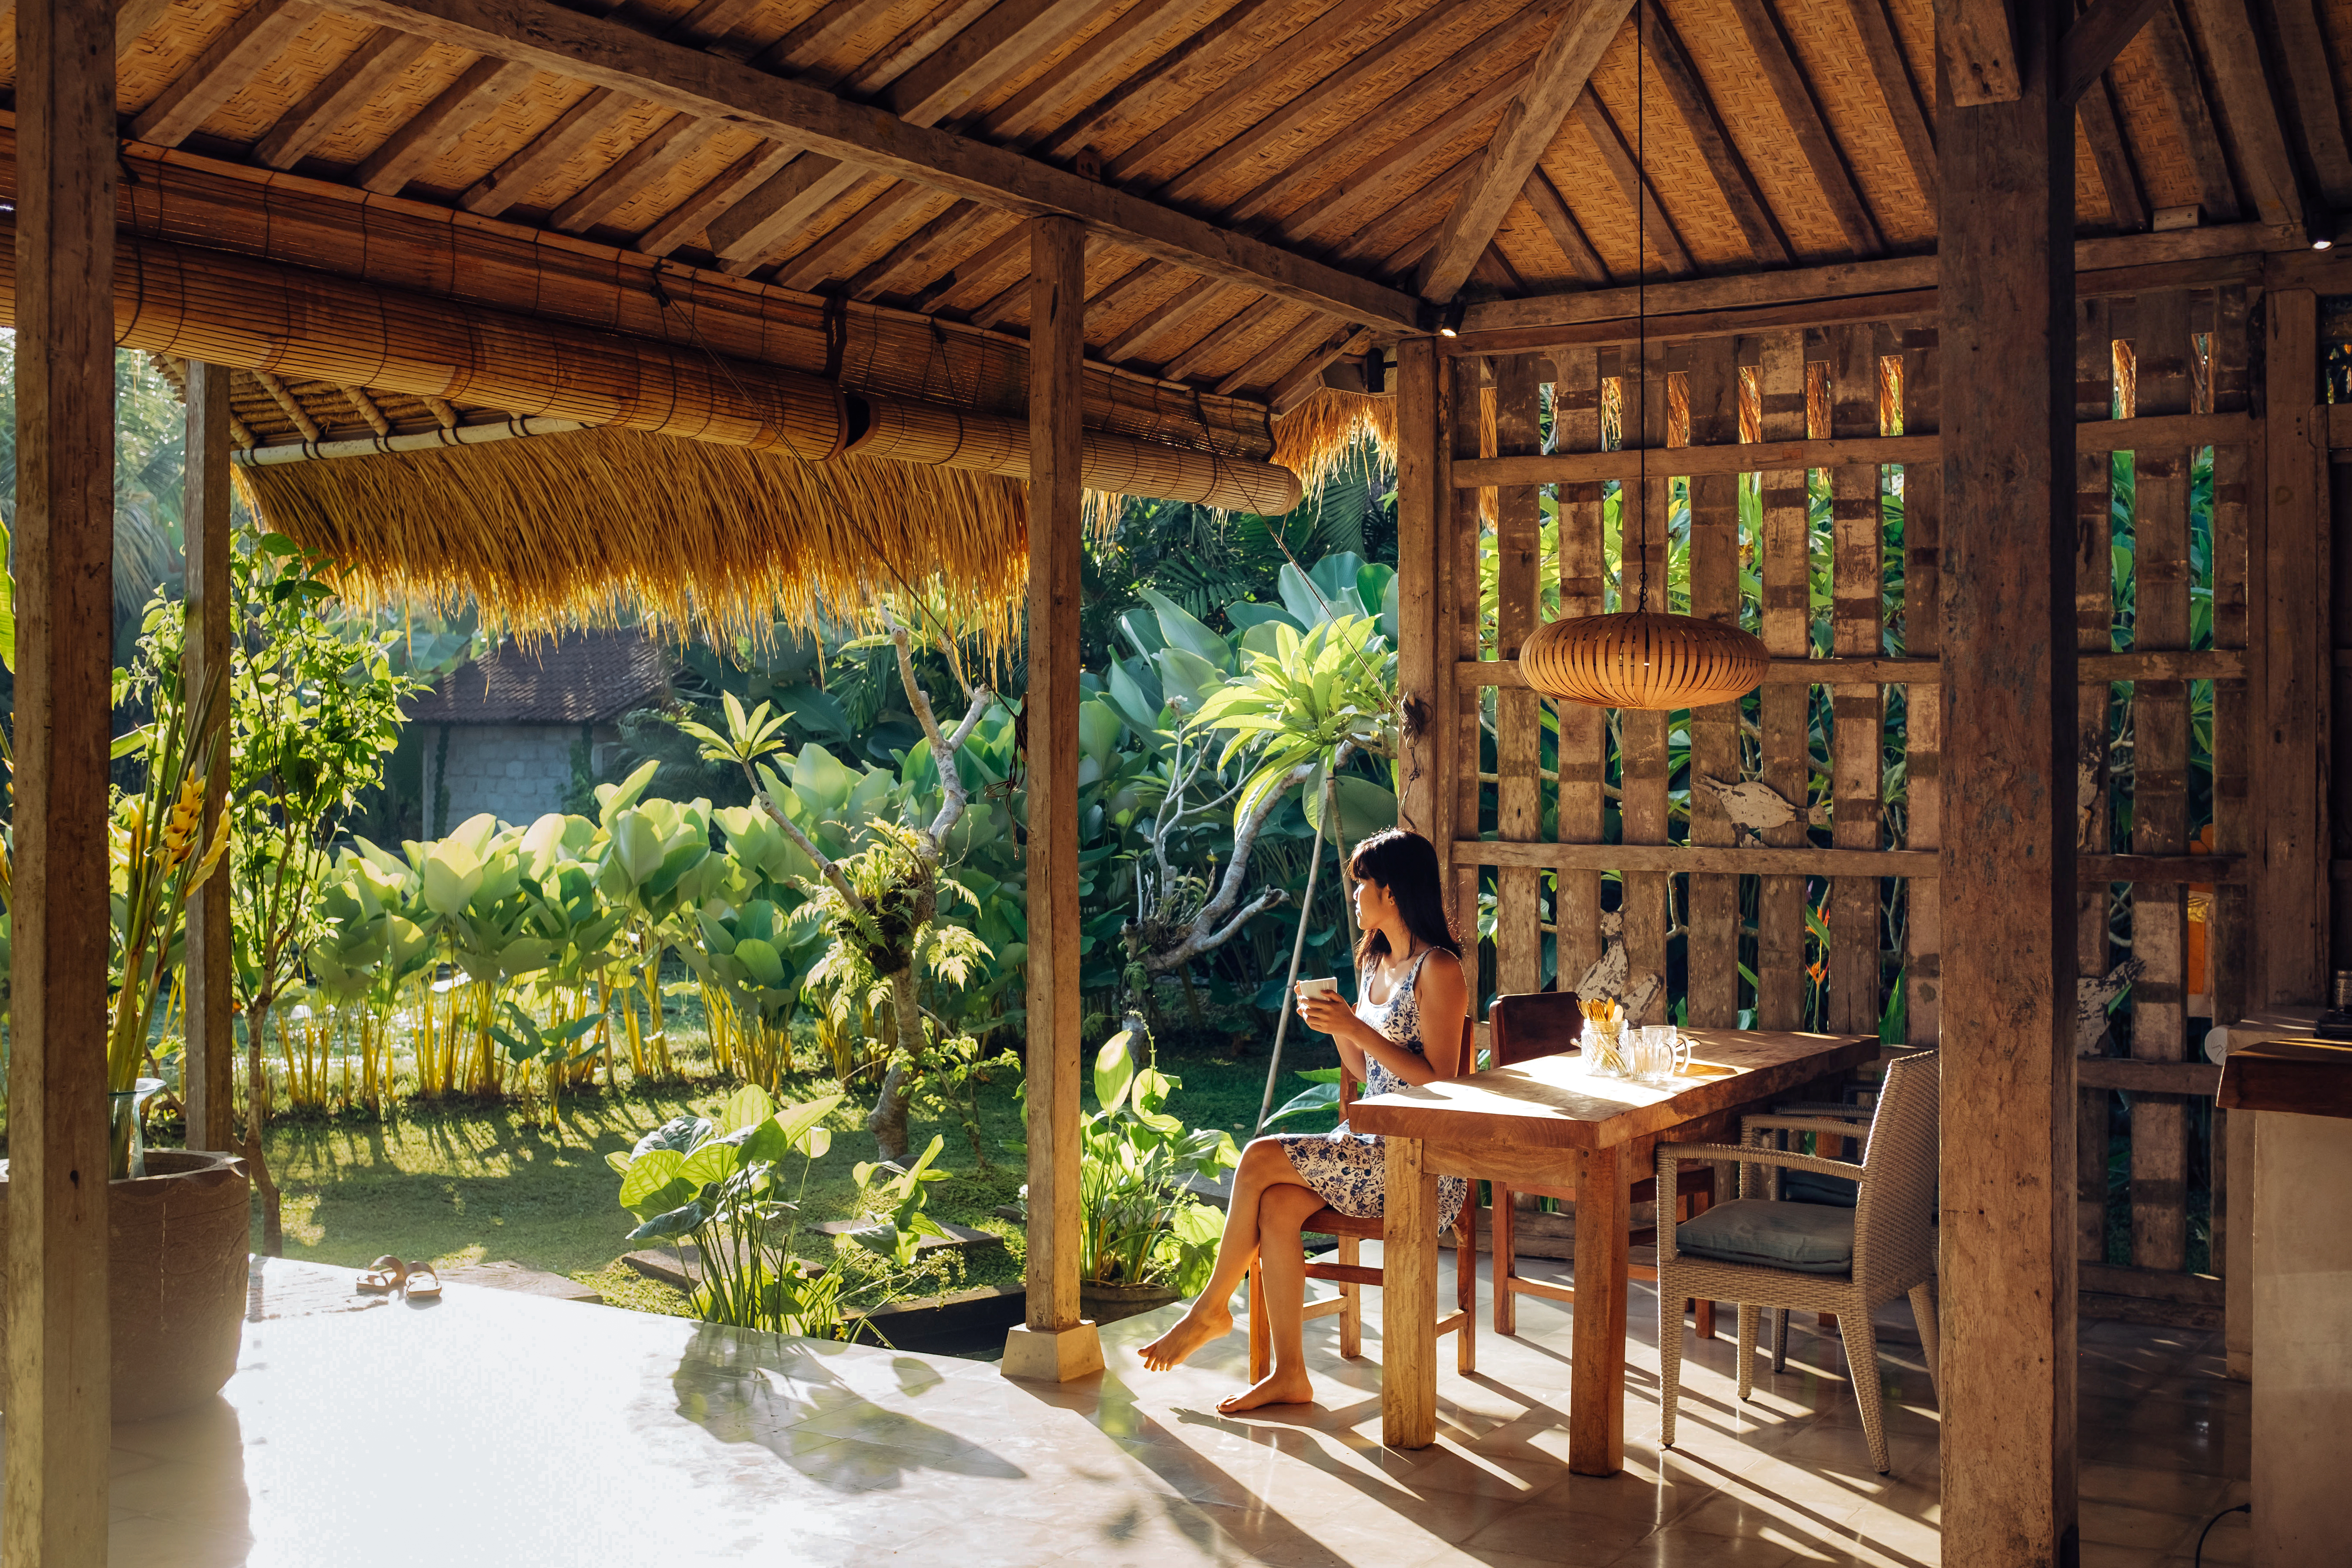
(466, 1182)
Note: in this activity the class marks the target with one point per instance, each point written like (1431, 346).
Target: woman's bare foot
(1278, 1387)
(1204, 1321)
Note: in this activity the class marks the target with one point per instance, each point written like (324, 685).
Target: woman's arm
(1444, 996)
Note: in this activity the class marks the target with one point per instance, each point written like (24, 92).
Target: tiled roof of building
(578, 677)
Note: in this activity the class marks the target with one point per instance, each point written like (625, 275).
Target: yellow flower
(185, 822)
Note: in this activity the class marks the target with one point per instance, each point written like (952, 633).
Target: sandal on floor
(430, 1290)
(385, 1275)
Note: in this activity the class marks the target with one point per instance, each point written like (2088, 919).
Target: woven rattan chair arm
(1828, 1126)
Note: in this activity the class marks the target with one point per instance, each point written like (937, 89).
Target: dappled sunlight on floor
(501, 1429)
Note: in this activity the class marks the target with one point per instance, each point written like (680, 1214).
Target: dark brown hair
(1405, 864)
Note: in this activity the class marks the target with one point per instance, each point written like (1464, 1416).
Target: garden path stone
(962, 1238)
(509, 1275)
(666, 1264)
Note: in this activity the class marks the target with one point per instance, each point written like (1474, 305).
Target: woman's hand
(1324, 1013)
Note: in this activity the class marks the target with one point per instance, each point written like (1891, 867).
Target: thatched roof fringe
(1314, 437)
(607, 526)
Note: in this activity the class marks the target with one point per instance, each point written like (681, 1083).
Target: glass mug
(1661, 1054)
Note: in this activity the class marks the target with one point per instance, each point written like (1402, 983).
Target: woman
(1412, 992)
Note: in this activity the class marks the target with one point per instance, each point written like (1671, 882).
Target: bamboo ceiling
(1355, 136)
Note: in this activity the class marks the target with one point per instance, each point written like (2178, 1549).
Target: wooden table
(1546, 1123)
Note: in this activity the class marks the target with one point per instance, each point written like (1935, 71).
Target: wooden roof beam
(1218, 339)
(929, 32)
(1009, 38)
(1193, 301)
(1339, 206)
(242, 48)
(1673, 64)
(1465, 65)
(1303, 380)
(2193, 117)
(2243, 93)
(1528, 127)
(382, 56)
(692, 81)
(835, 249)
(2097, 37)
(1552, 209)
(832, 24)
(1978, 47)
(1314, 332)
(2302, 51)
(918, 255)
(1795, 97)
(1656, 228)
(980, 264)
(462, 105)
(1902, 95)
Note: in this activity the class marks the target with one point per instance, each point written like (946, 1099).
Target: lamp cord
(1641, 290)
(2246, 1508)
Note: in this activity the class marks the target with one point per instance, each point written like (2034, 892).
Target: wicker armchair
(1845, 1261)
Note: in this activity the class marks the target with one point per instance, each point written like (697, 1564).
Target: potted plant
(177, 1220)
(1144, 1239)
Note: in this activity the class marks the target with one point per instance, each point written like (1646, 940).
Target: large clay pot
(1110, 1303)
(176, 1280)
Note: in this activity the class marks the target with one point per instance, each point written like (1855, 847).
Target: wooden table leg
(1408, 1299)
(1596, 1406)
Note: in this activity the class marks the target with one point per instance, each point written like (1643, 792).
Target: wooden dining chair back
(1348, 1271)
(1521, 1028)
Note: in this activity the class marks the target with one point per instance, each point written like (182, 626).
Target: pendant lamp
(1640, 657)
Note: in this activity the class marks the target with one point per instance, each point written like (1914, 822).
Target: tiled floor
(502, 1429)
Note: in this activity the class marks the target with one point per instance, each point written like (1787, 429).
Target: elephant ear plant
(732, 1189)
(1140, 1224)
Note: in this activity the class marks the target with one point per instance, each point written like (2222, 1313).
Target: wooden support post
(1713, 945)
(2095, 365)
(58, 1377)
(1645, 815)
(1424, 658)
(1054, 1345)
(2290, 647)
(1923, 550)
(2008, 857)
(1781, 708)
(1519, 719)
(208, 1070)
(1856, 713)
(1458, 729)
(1583, 730)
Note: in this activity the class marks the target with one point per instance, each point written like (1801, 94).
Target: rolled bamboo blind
(224, 309)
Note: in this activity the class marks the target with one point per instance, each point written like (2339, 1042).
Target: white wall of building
(517, 772)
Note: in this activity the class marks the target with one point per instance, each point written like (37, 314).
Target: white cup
(1326, 986)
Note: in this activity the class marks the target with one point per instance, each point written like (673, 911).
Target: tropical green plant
(727, 1187)
(1138, 1222)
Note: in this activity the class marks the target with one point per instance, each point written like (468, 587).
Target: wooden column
(1054, 1345)
(2008, 853)
(2290, 649)
(1424, 682)
(58, 1395)
(207, 1071)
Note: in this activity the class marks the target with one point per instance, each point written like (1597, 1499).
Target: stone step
(509, 1275)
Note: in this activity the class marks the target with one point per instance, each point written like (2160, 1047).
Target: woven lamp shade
(1639, 658)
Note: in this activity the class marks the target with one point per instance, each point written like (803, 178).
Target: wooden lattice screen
(1793, 484)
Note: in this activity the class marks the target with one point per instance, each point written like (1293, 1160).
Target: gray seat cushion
(1812, 1238)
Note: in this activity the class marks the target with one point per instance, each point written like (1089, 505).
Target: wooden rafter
(1561, 224)
(1300, 381)
(2303, 51)
(1313, 333)
(691, 216)
(925, 36)
(671, 141)
(833, 252)
(831, 24)
(1235, 150)
(691, 82)
(1619, 158)
(969, 272)
(2243, 92)
(242, 48)
(743, 235)
(2095, 111)
(1897, 85)
(457, 109)
(1195, 51)
(1438, 85)
(1529, 125)
(1009, 38)
(588, 118)
(1795, 97)
(2168, 44)
(1082, 70)
(1724, 164)
(917, 256)
(1191, 303)
(381, 57)
(1231, 329)
(1381, 178)
(1324, 33)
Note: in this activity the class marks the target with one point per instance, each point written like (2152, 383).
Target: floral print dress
(1348, 1171)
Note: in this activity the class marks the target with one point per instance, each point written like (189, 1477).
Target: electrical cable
(2244, 1507)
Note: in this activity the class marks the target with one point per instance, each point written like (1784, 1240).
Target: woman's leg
(1265, 1164)
(1282, 1273)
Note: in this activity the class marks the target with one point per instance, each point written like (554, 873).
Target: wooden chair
(1544, 1024)
(1350, 1275)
